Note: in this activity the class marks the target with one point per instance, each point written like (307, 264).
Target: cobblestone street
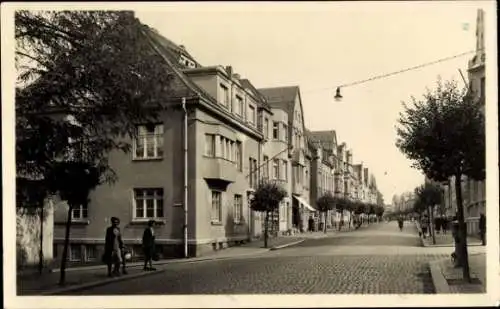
(375, 259)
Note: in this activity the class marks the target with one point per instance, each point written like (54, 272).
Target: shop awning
(304, 203)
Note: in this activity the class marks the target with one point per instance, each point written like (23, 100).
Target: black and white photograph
(315, 154)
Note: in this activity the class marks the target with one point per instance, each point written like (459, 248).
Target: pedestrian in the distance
(425, 226)
(311, 224)
(113, 247)
(437, 224)
(444, 224)
(148, 245)
(482, 228)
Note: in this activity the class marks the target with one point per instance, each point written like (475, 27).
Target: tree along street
(374, 259)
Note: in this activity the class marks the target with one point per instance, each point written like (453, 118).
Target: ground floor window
(137, 251)
(75, 253)
(216, 214)
(91, 252)
(238, 208)
(79, 212)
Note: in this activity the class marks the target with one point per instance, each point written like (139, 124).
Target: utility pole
(186, 253)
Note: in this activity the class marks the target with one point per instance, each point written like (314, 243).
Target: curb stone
(440, 284)
(144, 274)
(287, 245)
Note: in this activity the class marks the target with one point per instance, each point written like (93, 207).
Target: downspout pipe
(186, 253)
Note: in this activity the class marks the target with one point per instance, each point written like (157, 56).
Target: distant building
(288, 99)
(323, 168)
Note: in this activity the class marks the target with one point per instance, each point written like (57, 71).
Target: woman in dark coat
(113, 248)
(148, 245)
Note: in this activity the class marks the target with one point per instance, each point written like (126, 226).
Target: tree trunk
(341, 221)
(431, 226)
(324, 224)
(40, 256)
(62, 278)
(462, 230)
(266, 228)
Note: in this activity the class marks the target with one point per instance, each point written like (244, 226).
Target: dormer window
(224, 95)
(239, 106)
(251, 114)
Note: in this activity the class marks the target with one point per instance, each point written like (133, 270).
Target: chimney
(182, 47)
(229, 70)
(236, 76)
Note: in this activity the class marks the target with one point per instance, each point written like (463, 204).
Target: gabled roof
(327, 139)
(172, 50)
(280, 97)
(192, 87)
(245, 83)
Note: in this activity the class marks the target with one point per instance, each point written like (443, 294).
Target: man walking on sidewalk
(148, 245)
(482, 228)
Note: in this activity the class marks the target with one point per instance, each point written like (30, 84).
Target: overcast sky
(318, 46)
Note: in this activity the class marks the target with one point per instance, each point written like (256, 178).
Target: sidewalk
(85, 277)
(446, 240)
(448, 279)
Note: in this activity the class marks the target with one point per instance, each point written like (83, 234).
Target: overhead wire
(381, 76)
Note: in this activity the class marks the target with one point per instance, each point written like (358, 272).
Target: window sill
(80, 221)
(145, 221)
(219, 158)
(217, 223)
(148, 159)
(74, 222)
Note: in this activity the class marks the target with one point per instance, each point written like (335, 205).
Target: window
(226, 149)
(231, 152)
(238, 208)
(148, 203)
(266, 167)
(222, 147)
(238, 156)
(210, 145)
(75, 253)
(216, 207)
(285, 170)
(253, 177)
(225, 95)
(239, 106)
(266, 128)
(276, 169)
(276, 130)
(79, 212)
(251, 114)
(91, 252)
(149, 141)
(285, 132)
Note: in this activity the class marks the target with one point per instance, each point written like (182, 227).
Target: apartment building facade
(224, 144)
(323, 165)
(288, 100)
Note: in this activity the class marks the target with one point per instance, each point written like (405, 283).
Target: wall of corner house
(117, 199)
